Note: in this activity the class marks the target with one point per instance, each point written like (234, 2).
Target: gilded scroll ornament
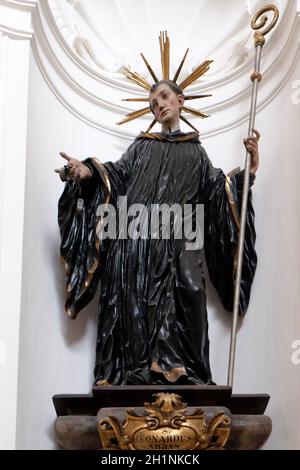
(165, 427)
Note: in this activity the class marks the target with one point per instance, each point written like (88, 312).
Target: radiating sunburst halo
(139, 80)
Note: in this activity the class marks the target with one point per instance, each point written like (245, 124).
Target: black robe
(152, 325)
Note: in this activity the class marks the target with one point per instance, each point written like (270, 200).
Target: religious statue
(152, 324)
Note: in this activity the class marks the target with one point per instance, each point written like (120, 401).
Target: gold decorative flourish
(135, 114)
(186, 97)
(195, 112)
(195, 97)
(164, 44)
(166, 427)
(259, 20)
(232, 200)
(198, 72)
(178, 138)
(180, 66)
(149, 68)
(103, 383)
(105, 178)
(235, 213)
(188, 123)
(135, 99)
(256, 76)
(151, 125)
(138, 79)
(171, 375)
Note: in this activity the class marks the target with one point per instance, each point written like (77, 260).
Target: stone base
(76, 424)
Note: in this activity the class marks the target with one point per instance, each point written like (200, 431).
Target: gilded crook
(258, 21)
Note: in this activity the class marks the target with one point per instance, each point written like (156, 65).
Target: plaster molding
(95, 96)
(15, 35)
(16, 19)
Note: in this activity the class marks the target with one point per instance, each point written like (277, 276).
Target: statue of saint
(152, 326)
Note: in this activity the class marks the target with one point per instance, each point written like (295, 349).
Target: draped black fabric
(152, 324)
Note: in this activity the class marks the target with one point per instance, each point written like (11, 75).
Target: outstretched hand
(74, 170)
(251, 144)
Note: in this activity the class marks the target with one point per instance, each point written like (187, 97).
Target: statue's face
(166, 104)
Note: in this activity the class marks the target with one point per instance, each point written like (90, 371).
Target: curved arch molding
(95, 95)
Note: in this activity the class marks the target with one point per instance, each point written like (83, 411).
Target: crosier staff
(258, 21)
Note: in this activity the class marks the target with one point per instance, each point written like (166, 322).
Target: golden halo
(138, 79)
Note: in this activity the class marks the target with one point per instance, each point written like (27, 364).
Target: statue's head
(166, 100)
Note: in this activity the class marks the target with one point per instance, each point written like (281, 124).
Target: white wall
(14, 60)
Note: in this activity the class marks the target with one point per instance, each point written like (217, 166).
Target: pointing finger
(64, 155)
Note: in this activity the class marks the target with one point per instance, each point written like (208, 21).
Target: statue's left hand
(251, 144)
